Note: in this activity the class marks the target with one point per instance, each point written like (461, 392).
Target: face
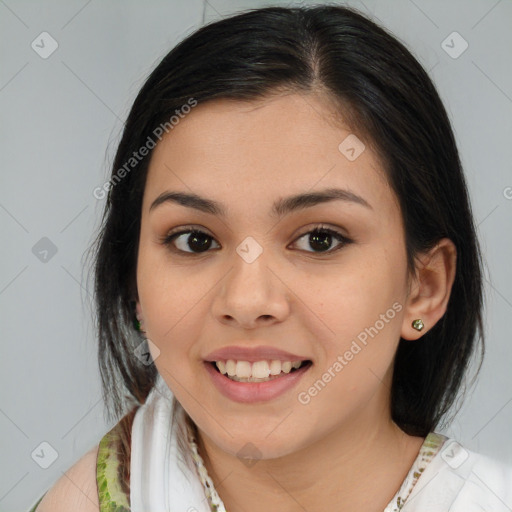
(260, 278)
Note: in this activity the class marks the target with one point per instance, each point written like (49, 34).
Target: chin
(250, 446)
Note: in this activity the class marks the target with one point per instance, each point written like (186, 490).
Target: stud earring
(138, 325)
(418, 324)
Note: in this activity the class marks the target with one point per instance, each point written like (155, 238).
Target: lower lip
(249, 392)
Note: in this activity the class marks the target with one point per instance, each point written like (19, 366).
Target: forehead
(247, 154)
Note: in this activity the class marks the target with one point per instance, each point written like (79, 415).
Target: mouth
(256, 382)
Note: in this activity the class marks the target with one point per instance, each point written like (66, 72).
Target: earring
(138, 326)
(418, 324)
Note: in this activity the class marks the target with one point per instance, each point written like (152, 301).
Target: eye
(321, 238)
(196, 239)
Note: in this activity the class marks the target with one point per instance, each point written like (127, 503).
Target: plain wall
(61, 118)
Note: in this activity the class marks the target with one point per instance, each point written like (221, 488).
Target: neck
(356, 467)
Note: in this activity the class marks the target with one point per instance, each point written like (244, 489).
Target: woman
(288, 281)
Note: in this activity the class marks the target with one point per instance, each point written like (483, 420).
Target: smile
(246, 382)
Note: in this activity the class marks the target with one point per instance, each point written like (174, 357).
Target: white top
(448, 478)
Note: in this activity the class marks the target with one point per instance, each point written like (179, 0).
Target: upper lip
(252, 354)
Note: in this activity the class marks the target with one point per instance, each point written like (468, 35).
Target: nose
(251, 295)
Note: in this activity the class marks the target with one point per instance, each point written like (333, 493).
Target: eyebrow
(280, 208)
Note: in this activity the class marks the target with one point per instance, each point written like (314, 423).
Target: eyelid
(322, 226)
(186, 228)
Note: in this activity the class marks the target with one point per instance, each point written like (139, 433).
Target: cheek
(354, 360)
(358, 295)
(172, 299)
(362, 306)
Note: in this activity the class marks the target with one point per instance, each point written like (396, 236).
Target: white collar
(159, 480)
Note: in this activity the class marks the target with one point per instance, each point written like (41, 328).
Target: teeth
(286, 366)
(221, 366)
(230, 367)
(258, 371)
(243, 369)
(275, 367)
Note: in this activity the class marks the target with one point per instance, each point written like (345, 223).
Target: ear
(430, 288)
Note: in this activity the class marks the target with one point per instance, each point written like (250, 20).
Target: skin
(245, 155)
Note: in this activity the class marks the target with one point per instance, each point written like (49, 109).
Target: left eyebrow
(300, 201)
(280, 208)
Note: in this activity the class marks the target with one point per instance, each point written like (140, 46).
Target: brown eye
(320, 239)
(197, 241)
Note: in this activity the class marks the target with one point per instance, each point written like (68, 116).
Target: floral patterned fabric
(113, 495)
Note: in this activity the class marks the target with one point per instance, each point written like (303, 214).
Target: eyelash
(168, 239)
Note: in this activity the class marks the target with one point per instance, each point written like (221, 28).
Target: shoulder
(76, 489)
(491, 476)
(460, 480)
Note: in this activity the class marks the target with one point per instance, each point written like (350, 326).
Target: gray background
(61, 120)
